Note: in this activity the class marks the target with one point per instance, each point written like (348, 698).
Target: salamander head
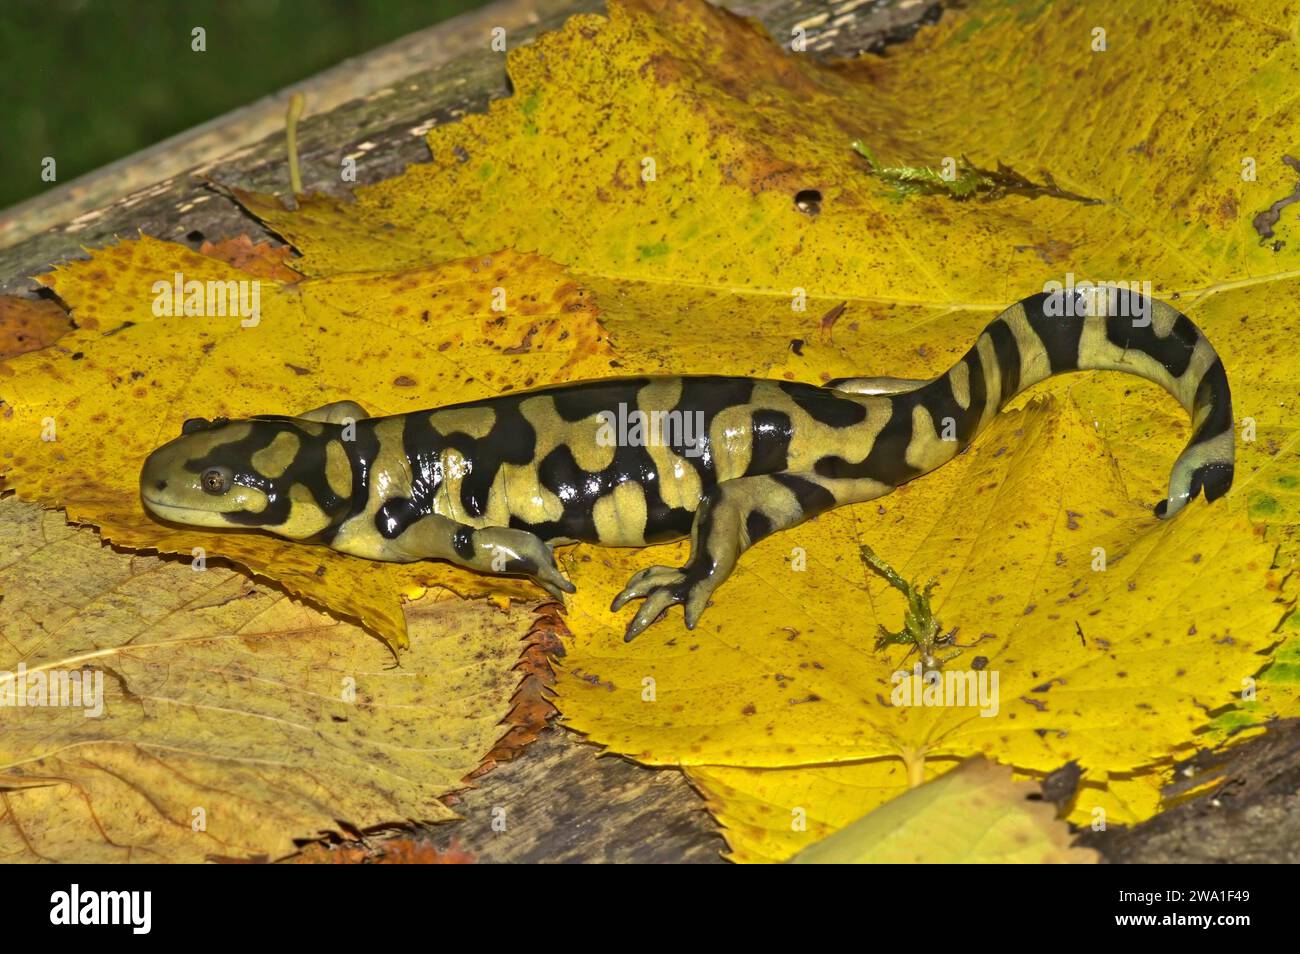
(285, 475)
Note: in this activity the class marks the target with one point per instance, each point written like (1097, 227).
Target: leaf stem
(296, 104)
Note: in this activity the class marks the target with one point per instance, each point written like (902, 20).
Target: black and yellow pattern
(492, 484)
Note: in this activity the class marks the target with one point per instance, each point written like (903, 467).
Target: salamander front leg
(665, 586)
(486, 549)
(732, 517)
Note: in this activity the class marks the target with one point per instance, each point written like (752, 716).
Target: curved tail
(1112, 329)
(1104, 328)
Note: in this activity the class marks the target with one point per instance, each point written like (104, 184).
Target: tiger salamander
(493, 484)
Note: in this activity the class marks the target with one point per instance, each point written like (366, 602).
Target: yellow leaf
(975, 814)
(782, 672)
(78, 419)
(700, 259)
(231, 720)
(1276, 693)
(668, 142)
(700, 267)
(770, 814)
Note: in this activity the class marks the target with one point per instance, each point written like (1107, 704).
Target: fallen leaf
(231, 720)
(807, 690)
(737, 128)
(29, 324)
(769, 815)
(389, 851)
(975, 814)
(254, 258)
(773, 678)
(531, 708)
(659, 155)
(77, 421)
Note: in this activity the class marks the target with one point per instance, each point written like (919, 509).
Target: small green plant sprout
(963, 182)
(921, 630)
(961, 179)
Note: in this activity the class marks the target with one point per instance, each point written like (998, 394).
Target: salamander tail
(1112, 329)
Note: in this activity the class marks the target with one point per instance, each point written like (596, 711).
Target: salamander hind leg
(336, 413)
(731, 518)
(485, 549)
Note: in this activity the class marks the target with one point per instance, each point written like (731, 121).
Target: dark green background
(90, 81)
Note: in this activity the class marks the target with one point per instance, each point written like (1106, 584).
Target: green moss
(966, 181)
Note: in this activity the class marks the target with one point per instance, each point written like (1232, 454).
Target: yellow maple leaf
(1012, 531)
(660, 154)
(734, 130)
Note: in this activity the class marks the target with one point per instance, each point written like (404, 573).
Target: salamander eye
(194, 424)
(215, 480)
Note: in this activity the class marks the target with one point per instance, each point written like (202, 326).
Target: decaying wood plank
(1249, 815)
(564, 802)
